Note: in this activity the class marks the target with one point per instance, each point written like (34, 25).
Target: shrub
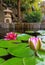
(34, 16)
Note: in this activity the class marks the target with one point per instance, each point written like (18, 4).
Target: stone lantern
(8, 16)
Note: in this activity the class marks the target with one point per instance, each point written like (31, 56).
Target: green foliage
(13, 61)
(26, 4)
(20, 61)
(1, 60)
(29, 31)
(20, 51)
(34, 16)
(10, 3)
(23, 37)
(3, 52)
(7, 44)
(24, 7)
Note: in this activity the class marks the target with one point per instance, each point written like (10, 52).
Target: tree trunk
(1, 1)
(18, 10)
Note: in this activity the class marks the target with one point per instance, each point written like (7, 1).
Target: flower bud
(35, 43)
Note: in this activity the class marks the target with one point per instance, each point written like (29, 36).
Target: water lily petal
(10, 36)
(35, 43)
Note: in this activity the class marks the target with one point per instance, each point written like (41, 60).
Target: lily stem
(36, 54)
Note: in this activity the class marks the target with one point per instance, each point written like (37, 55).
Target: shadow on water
(6, 57)
(33, 34)
(24, 41)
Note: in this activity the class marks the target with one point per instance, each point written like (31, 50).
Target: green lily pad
(13, 61)
(29, 31)
(23, 37)
(20, 61)
(41, 52)
(29, 61)
(3, 52)
(21, 51)
(7, 43)
(39, 62)
(23, 61)
(1, 60)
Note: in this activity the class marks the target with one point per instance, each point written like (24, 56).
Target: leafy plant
(34, 16)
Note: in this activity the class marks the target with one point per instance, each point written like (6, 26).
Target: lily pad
(41, 62)
(20, 61)
(42, 32)
(23, 61)
(3, 52)
(21, 51)
(13, 61)
(42, 38)
(29, 31)
(7, 43)
(23, 37)
(1, 60)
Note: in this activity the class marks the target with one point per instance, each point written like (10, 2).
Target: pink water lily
(11, 36)
(35, 43)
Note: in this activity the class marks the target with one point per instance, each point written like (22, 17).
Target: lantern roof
(8, 10)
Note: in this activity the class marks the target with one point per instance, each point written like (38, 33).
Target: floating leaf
(1, 60)
(40, 62)
(7, 44)
(24, 61)
(42, 38)
(13, 61)
(3, 52)
(29, 31)
(21, 51)
(23, 36)
(42, 32)
(20, 61)
(41, 52)
(29, 61)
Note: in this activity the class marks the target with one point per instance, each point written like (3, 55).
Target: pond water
(2, 35)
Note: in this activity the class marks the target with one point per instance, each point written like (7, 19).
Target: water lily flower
(35, 43)
(11, 36)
